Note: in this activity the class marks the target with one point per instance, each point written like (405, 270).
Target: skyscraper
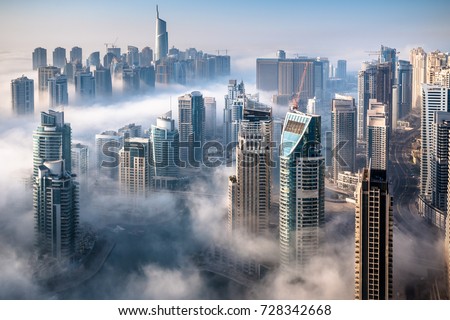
(22, 95)
(59, 57)
(146, 57)
(341, 71)
(439, 159)
(434, 98)
(57, 91)
(93, 60)
(134, 169)
(80, 159)
(161, 39)
(402, 94)
(249, 190)
(107, 146)
(131, 130)
(39, 58)
(267, 74)
(45, 73)
(418, 60)
(343, 127)
(377, 143)
(133, 56)
(103, 82)
(164, 153)
(85, 85)
(233, 111)
(131, 80)
(366, 91)
(210, 118)
(52, 140)
(302, 190)
(191, 123)
(56, 211)
(76, 54)
(373, 237)
(436, 60)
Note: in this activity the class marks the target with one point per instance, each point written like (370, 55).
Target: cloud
(162, 283)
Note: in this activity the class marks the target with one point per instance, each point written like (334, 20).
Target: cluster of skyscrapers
(136, 71)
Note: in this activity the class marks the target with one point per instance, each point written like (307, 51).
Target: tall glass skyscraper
(56, 211)
(164, 153)
(191, 123)
(55, 194)
(162, 38)
(302, 190)
(52, 140)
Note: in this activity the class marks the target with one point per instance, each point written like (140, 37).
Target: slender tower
(162, 38)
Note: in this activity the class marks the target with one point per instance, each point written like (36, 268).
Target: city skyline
(295, 27)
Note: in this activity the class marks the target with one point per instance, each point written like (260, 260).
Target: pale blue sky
(335, 29)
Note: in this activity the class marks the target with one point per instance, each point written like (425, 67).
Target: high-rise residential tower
(76, 54)
(377, 142)
(373, 237)
(39, 58)
(85, 85)
(210, 118)
(302, 190)
(434, 98)
(164, 153)
(59, 57)
(22, 95)
(343, 127)
(161, 39)
(45, 73)
(107, 146)
(52, 140)
(56, 211)
(134, 168)
(249, 190)
(418, 60)
(191, 124)
(341, 70)
(57, 91)
(439, 159)
(366, 91)
(103, 82)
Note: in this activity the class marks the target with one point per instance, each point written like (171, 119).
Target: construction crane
(218, 51)
(113, 44)
(296, 99)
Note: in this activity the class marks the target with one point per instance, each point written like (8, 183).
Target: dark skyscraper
(373, 237)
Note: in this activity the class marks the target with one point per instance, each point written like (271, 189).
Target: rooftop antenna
(157, 12)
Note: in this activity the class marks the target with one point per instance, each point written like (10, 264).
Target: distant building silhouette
(39, 58)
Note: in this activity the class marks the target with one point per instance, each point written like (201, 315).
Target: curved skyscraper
(302, 190)
(162, 38)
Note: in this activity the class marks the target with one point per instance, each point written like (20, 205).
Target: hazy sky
(335, 29)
